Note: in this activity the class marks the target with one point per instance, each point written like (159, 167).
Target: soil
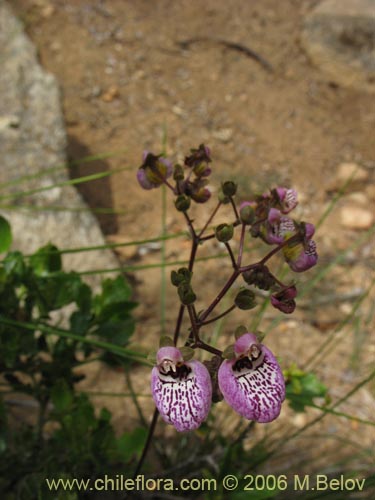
(132, 71)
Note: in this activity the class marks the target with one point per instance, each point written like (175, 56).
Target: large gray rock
(339, 37)
(32, 140)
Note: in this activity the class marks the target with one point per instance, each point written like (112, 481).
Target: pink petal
(183, 402)
(254, 393)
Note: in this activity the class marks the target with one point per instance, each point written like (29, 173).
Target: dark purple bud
(284, 299)
(201, 195)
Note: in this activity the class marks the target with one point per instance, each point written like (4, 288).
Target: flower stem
(147, 443)
(219, 316)
(221, 294)
(209, 220)
(242, 239)
(231, 255)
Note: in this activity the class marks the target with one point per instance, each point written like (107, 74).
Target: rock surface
(33, 144)
(339, 37)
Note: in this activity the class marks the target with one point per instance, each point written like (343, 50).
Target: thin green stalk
(49, 330)
(119, 245)
(116, 394)
(282, 441)
(133, 395)
(36, 208)
(57, 168)
(70, 182)
(322, 274)
(323, 347)
(141, 267)
(335, 199)
(342, 414)
(163, 277)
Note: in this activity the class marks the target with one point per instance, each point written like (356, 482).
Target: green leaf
(62, 397)
(46, 260)
(130, 444)
(5, 235)
(302, 388)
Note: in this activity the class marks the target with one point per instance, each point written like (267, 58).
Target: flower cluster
(246, 374)
(250, 381)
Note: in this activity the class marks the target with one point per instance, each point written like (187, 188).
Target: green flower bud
(223, 198)
(224, 232)
(178, 173)
(183, 275)
(247, 213)
(182, 203)
(245, 299)
(186, 294)
(229, 188)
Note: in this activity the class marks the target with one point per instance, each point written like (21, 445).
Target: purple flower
(252, 382)
(287, 199)
(153, 171)
(277, 228)
(301, 256)
(284, 299)
(181, 390)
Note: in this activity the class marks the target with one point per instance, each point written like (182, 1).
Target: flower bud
(201, 195)
(245, 299)
(284, 299)
(224, 232)
(182, 203)
(229, 188)
(223, 198)
(247, 213)
(199, 159)
(183, 275)
(178, 173)
(186, 294)
(260, 277)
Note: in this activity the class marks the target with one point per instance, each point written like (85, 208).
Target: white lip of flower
(254, 352)
(167, 364)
